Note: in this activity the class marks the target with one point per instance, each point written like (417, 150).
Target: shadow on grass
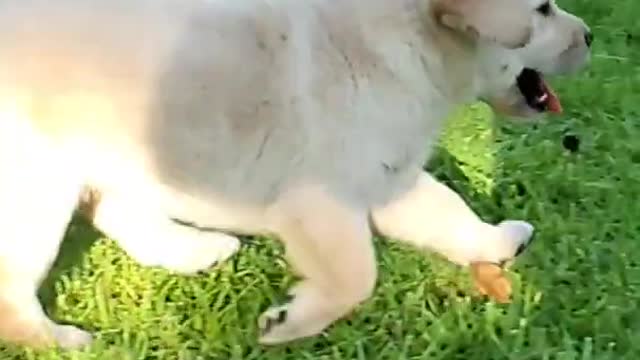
(78, 240)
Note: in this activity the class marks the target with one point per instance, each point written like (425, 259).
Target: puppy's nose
(588, 37)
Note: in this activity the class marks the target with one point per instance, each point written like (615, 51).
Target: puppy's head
(516, 43)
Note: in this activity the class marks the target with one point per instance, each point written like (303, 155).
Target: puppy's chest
(385, 153)
(379, 116)
(394, 140)
(396, 119)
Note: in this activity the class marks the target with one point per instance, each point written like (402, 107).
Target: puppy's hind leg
(149, 235)
(37, 200)
(329, 244)
(434, 217)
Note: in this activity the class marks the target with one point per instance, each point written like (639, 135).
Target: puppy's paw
(518, 232)
(273, 326)
(489, 276)
(70, 337)
(305, 315)
(202, 251)
(185, 251)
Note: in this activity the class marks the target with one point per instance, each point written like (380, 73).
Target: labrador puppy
(308, 120)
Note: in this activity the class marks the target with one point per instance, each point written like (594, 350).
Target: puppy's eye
(544, 9)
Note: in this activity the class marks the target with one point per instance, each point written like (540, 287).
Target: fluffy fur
(304, 119)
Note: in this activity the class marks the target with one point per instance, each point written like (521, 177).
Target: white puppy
(307, 119)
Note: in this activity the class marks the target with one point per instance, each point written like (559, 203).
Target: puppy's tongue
(550, 98)
(538, 94)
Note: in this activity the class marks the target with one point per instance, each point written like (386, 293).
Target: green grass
(577, 288)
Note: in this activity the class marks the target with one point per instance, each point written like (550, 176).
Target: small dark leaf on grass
(571, 143)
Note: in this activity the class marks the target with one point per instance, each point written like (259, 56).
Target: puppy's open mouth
(537, 93)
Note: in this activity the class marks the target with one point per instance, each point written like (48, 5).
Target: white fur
(453, 230)
(297, 118)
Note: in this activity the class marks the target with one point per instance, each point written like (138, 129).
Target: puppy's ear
(507, 22)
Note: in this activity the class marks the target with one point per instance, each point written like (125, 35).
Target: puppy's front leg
(329, 244)
(434, 217)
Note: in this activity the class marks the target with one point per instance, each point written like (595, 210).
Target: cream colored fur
(307, 119)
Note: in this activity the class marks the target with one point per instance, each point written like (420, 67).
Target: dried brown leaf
(490, 280)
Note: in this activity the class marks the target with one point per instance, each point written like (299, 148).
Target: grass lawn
(577, 292)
